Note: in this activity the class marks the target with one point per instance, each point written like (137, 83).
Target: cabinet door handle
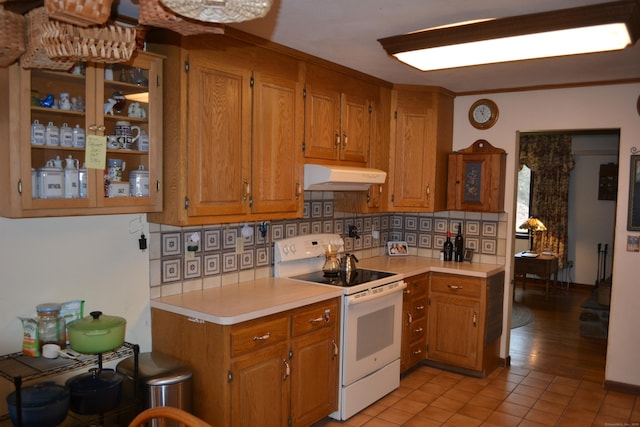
(263, 337)
(337, 140)
(247, 189)
(418, 351)
(344, 140)
(455, 287)
(475, 319)
(418, 330)
(335, 349)
(287, 370)
(316, 320)
(428, 192)
(420, 307)
(409, 318)
(298, 190)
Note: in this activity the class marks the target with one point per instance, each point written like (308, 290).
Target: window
(524, 200)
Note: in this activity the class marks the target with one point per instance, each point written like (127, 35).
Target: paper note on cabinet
(96, 152)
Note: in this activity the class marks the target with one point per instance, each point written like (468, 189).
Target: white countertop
(235, 303)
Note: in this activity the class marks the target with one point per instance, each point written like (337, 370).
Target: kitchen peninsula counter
(235, 303)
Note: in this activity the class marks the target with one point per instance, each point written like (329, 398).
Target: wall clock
(483, 114)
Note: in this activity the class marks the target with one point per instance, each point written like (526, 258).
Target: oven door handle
(352, 300)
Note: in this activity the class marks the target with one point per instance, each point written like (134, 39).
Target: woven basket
(222, 11)
(11, 37)
(35, 55)
(153, 14)
(110, 43)
(79, 12)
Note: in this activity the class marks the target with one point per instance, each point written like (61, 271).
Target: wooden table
(542, 266)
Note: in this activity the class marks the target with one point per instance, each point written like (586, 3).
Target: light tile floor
(511, 396)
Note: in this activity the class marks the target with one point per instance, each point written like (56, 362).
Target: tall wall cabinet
(421, 139)
(234, 129)
(20, 93)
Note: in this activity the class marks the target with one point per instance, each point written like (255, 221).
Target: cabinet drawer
(247, 338)
(419, 308)
(417, 329)
(321, 315)
(456, 285)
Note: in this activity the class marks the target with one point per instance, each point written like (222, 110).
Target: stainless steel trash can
(162, 380)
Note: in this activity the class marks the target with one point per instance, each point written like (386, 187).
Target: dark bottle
(448, 248)
(459, 245)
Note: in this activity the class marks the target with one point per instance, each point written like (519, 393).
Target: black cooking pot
(43, 405)
(95, 392)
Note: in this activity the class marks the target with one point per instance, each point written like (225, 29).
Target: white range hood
(341, 178)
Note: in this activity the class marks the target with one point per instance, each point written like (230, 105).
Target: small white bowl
(50, 351)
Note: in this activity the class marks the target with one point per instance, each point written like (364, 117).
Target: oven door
(372, 331)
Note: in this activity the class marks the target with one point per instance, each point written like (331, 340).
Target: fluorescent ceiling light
(588, 29)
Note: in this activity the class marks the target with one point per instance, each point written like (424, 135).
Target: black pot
(43, 405)
(95, 392)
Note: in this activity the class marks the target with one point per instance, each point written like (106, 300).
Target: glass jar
(51, 326)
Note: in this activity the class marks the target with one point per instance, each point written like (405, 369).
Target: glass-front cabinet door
(91, 138)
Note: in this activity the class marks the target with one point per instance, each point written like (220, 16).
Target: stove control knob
(293, 249)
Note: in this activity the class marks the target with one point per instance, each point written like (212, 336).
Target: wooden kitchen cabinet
(234, 126)
(414, 322)
(477, 178)
(421, 138)
(338, 117)
(20, 91)
(465, 322)
(282, 368)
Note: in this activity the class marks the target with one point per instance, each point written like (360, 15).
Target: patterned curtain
(550, 159)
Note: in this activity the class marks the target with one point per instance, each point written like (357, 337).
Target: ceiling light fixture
(221, 11)
(586, 29)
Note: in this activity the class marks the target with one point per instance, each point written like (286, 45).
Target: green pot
(96, 333)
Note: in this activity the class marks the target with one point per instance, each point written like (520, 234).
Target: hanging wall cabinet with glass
(83, 142)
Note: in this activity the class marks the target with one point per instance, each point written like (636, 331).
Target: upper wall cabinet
(46, 118)
(338, 117)
(421, 138)
(234, 130)
(476, 178)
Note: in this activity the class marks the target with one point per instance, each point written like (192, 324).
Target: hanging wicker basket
(79, 12)
(153, 14)
(35, 55)
(11, 37)
(221, 11)
(109, 43)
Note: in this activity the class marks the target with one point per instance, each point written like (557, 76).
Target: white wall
(60, 259)
(600, 107)
(591, 221)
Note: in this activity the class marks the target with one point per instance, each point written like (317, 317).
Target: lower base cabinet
(465, 322)
(414, 321)
(280, 369)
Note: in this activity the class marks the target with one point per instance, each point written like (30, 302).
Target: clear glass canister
(51, 326)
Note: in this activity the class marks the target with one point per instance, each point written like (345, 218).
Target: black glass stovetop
(342, 279)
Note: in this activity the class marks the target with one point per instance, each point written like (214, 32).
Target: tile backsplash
(184, 259)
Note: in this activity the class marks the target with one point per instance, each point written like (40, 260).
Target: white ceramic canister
(50, 182)
(143, 141)
(66, 136)
(51, 135)
(139, 182)
(37, 133)
(78, 137)
(71, 179)
(82, 182)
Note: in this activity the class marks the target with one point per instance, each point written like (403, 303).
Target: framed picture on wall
(633, 219)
